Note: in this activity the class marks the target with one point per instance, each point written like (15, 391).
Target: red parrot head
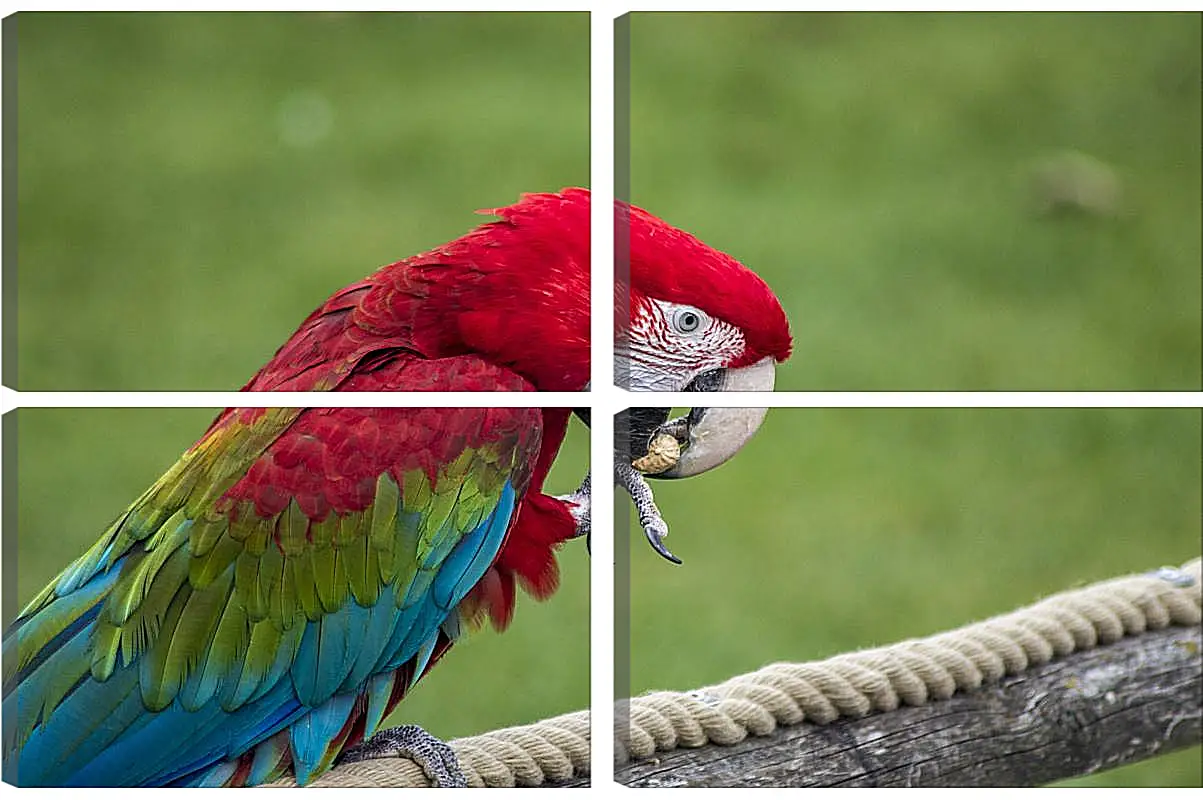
(698, 319)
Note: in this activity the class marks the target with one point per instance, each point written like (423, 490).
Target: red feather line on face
(669, 264)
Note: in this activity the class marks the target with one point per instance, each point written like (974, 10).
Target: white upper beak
(722, 432)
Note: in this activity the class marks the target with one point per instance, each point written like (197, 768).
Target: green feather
(204, 570)
(330, 578)
(415, 490)
(471, 509)
(137, 575)
(384, 513)
(322, 533)
(405, 555)
(457, 470)
(182, 643)
(159, 678)
(144, 519)
(225, 652)
(300, 566)
(106, 642)
(252, 530)
(292, 529)
(261, 654)
(205, 498)
(207, 532)
(349, 529)
(256, 578)
(174, 488)
(39, 630)
(434, 518)
(271, 576)
(285, 606)
(143, 625)
(360, 561)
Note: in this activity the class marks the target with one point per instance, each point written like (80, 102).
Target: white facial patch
(670, 344)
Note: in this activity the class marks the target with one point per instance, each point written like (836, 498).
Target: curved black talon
(657, 543)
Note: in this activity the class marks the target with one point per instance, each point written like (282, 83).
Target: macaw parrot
(266, 604)
(695, 320)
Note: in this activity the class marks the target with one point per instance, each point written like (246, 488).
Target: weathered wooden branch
(1090, 711)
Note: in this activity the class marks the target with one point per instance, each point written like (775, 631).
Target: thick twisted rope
(912, 672)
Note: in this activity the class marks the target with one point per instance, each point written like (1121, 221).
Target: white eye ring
(689, 320)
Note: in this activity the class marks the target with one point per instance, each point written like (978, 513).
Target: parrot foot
(650, 519)
(434, 756)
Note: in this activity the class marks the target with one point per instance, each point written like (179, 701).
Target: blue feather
(213, 778)
(423, 658)
(474, 554)
(380, 689)
(312, 734)
(381, 621)
(78, 730)
(428, 620)
(327, 651)
(83, 570)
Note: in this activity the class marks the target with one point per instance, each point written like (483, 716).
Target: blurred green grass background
(885, 173)
(836, 530)
(191, 186)
(79, 468)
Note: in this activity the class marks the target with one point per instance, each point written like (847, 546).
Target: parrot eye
(688, 320)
